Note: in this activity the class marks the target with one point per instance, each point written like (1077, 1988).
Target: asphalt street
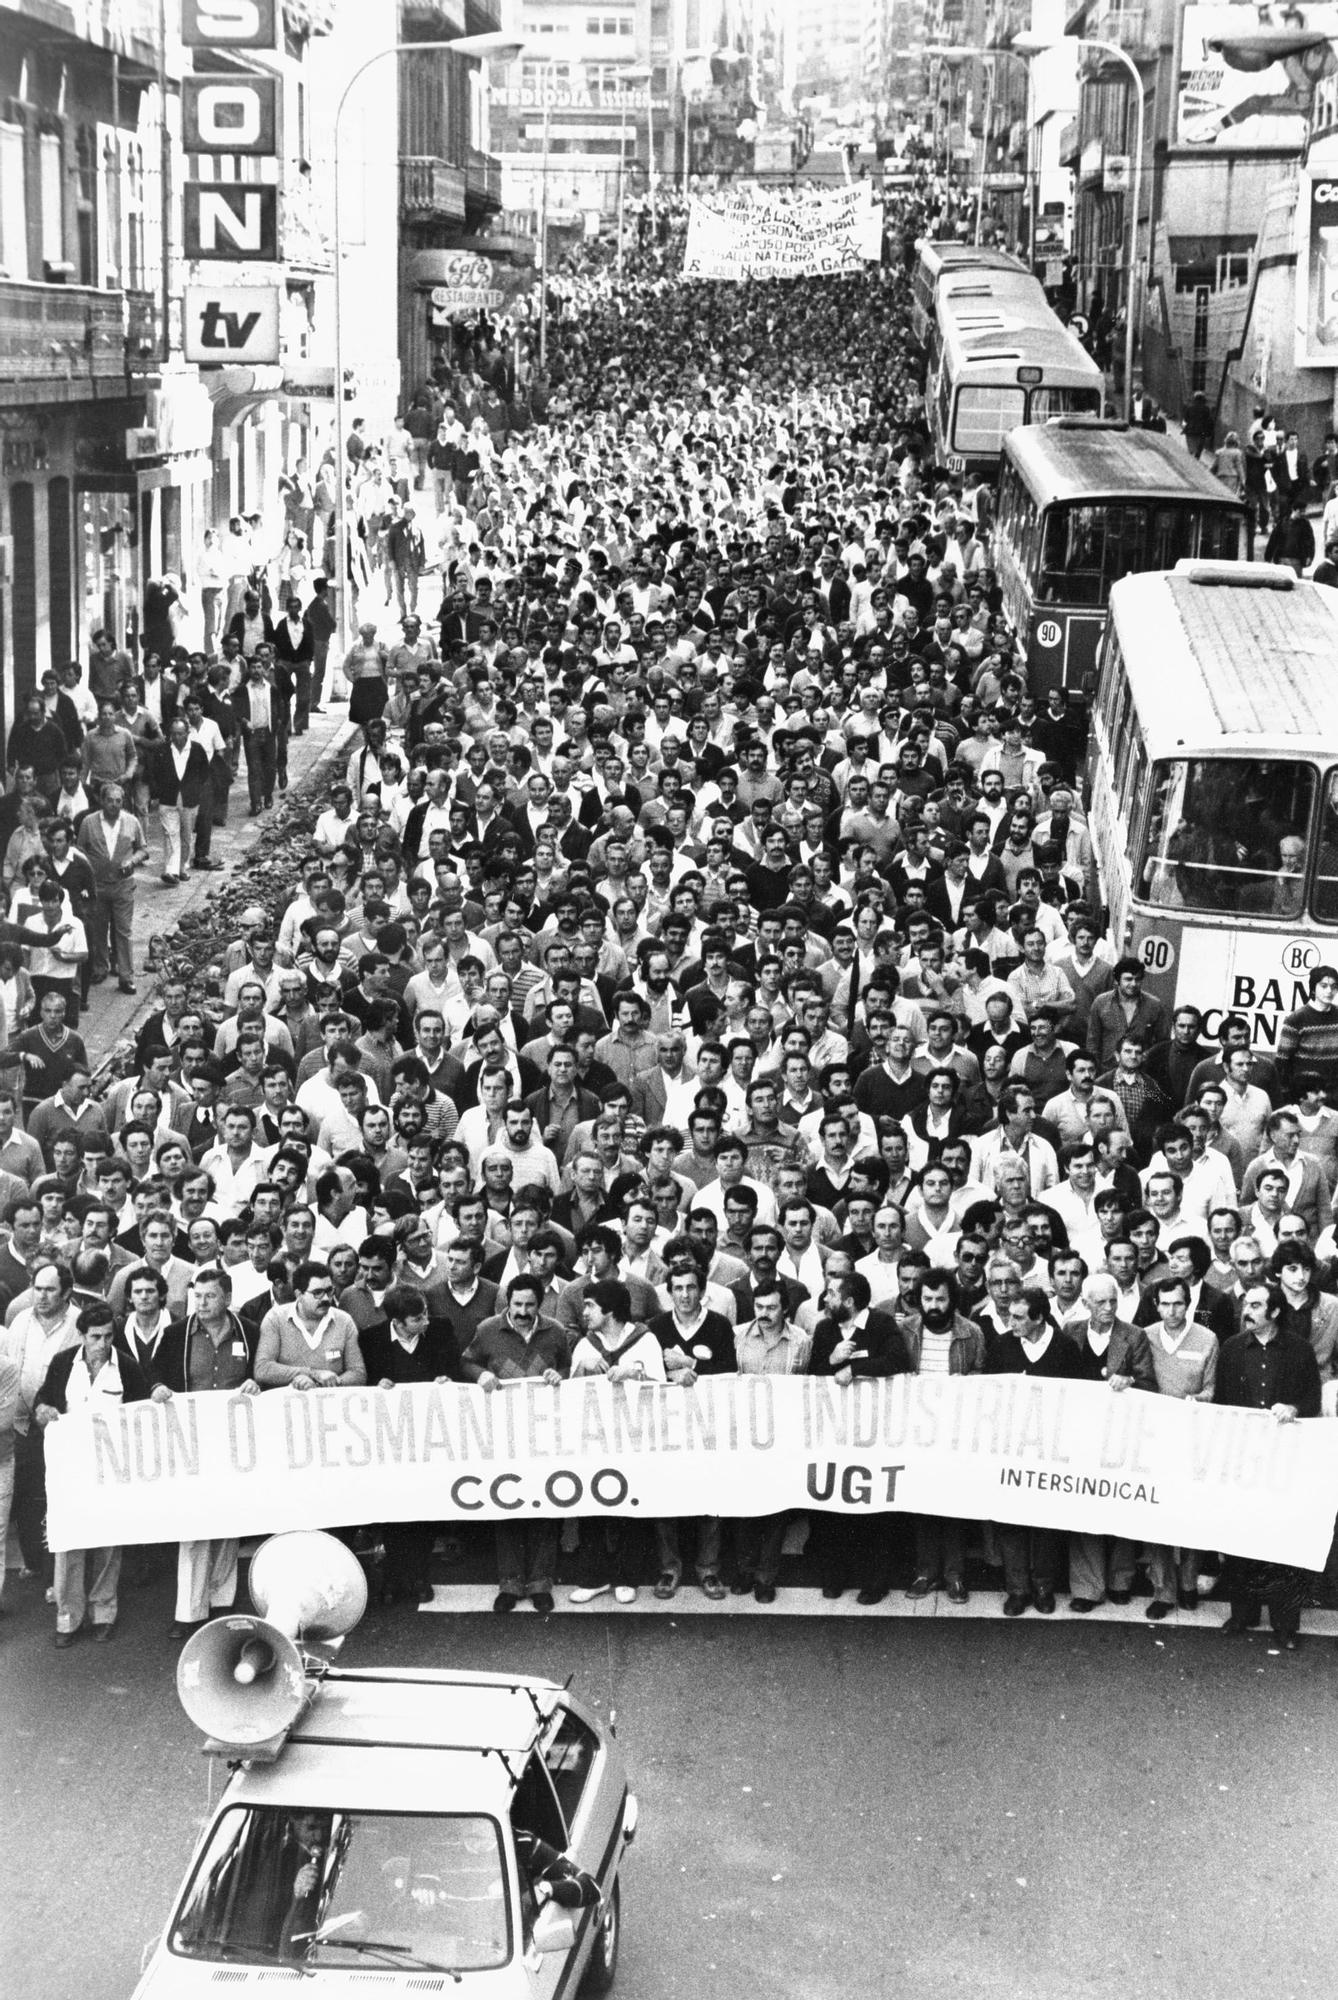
(830, 1807)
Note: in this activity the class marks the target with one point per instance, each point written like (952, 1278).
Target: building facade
(116, 450)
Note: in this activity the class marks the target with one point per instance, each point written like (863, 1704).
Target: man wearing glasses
(310, 1344)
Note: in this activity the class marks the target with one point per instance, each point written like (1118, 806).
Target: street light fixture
(493, 46)
(1034, 45)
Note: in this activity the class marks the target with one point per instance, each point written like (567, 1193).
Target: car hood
(169, 1978)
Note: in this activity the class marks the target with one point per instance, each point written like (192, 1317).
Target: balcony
(1132, 29)
(69, 339)
(431, 190)
(483, 182)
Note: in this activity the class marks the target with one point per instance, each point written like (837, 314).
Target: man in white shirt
(531, 1162)
(238, 1163)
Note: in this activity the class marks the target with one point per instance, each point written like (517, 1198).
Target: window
(1229, 834)
(1087, 549)
(1046, 403)
(984, 417)
(1325, 900)
(535, 1806)
(13, 203)
(53, 199)
(570, 1755)
(283, 1886)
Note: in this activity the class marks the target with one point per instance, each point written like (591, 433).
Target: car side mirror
(554, 1929)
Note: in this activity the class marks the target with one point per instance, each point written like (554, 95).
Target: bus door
(1062, 647)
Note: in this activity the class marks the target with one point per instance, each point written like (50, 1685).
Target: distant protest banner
(992, 1447)
(752, 234)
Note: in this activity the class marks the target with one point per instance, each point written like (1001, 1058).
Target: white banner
(752, 234)
(985, 1447)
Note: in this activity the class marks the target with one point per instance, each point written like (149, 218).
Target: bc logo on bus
(1300, 955)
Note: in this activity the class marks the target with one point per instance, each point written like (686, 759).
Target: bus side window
(1136, 796)
(1326, 862)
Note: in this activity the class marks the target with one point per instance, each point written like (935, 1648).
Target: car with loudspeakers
(404, 1830)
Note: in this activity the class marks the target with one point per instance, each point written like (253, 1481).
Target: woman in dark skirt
(365, 669)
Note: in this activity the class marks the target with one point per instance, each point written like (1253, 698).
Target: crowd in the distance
(699, 967)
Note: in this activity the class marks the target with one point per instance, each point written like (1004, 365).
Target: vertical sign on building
(1317, 268)
(237, 221)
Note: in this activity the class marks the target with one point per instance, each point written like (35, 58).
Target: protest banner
(751, 234)
(992, 1447)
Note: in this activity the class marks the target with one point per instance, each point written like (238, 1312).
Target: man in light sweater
(309, 1344)
(1184, 1359)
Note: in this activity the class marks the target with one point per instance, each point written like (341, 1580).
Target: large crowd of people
(698, 967)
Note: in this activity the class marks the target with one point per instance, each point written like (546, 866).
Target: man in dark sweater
(1031, 1346)
(1265, 1368)
(407, 1346)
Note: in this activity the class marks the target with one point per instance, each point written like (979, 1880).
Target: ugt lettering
(858, 1484)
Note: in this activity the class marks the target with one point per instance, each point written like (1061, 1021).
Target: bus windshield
(1230, 834)
(1086, 547)
(1047, 403)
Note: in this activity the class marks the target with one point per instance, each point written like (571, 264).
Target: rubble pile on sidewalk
(267, 877)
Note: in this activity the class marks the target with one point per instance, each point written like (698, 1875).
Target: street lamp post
(543, 246)
(1028, 44)
(495, 45)
(636, 73)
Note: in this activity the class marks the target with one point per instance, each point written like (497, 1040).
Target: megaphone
(309, 1585)
(243, 1680)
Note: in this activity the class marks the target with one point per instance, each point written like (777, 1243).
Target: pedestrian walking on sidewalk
(180, 779)
(365, 671)
(256, 706)
(407, 552)
(295, 649)
(112, 842)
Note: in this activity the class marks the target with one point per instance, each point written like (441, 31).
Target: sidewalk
(112, 1016)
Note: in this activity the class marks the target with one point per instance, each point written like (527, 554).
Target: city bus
(932, 261)
(1083, 503)
(982, 302)
(1212, 779)
(1024, 370)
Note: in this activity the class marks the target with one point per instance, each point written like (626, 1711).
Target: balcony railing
(483, 180)
(431, 187)
(66, 333)
(1130, 28)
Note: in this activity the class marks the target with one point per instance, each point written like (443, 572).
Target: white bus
(933, 261)
(1213, 785)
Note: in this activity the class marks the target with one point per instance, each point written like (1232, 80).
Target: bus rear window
(1229, 834)
(985, 415)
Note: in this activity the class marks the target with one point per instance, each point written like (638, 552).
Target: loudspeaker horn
(242, 1681)
(308, 1584)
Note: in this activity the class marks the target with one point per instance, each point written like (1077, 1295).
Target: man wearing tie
(112, 842)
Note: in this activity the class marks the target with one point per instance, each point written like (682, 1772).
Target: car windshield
(276, 1885)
